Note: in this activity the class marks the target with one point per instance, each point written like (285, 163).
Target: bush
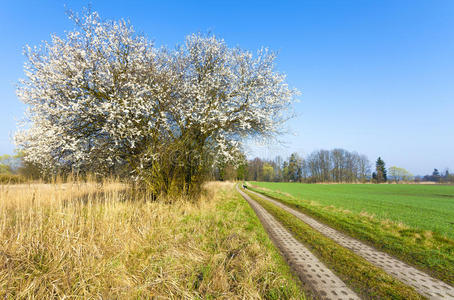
(11, 179)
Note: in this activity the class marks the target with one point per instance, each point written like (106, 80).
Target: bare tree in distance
(337, 165)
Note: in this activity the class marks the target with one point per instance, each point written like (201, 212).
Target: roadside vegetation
(92, 240)
(428, 250)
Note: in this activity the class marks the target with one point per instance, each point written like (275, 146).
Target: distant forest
(323, 166)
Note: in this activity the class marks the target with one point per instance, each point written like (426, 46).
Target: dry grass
(87, 240)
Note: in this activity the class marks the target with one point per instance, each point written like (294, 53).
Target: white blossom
(103, 96)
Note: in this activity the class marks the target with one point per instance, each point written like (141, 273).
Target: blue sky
(376, 77)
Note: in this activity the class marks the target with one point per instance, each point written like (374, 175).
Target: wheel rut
(315, 276)
(423, 283)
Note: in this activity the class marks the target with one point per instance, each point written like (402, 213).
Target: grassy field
(411, 222)
(428, 207)
(87, 240)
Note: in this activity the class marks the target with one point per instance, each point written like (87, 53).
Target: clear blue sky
(376, 77)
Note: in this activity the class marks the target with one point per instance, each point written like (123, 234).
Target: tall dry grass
(90, 240)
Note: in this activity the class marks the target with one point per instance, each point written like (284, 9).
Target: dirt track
(315, 275)
(423, 283)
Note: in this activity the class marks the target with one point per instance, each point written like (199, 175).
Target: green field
(427, 207)
(411, 222)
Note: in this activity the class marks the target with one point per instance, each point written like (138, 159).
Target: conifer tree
(380, 170)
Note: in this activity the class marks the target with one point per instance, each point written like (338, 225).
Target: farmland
(427, 207)
(408, 221)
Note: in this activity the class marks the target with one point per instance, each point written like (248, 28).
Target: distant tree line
(436, 176)
(337, 165)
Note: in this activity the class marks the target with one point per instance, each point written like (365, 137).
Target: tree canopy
(398, 174)
(103, 98)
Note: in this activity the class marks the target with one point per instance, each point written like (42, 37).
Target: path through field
(423, 283)
(311, 271)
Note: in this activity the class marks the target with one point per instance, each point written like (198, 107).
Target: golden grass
(89, 240)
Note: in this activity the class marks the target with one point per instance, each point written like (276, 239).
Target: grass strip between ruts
(366, 279)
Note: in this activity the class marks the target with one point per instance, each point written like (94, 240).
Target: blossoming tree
(103, 98)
